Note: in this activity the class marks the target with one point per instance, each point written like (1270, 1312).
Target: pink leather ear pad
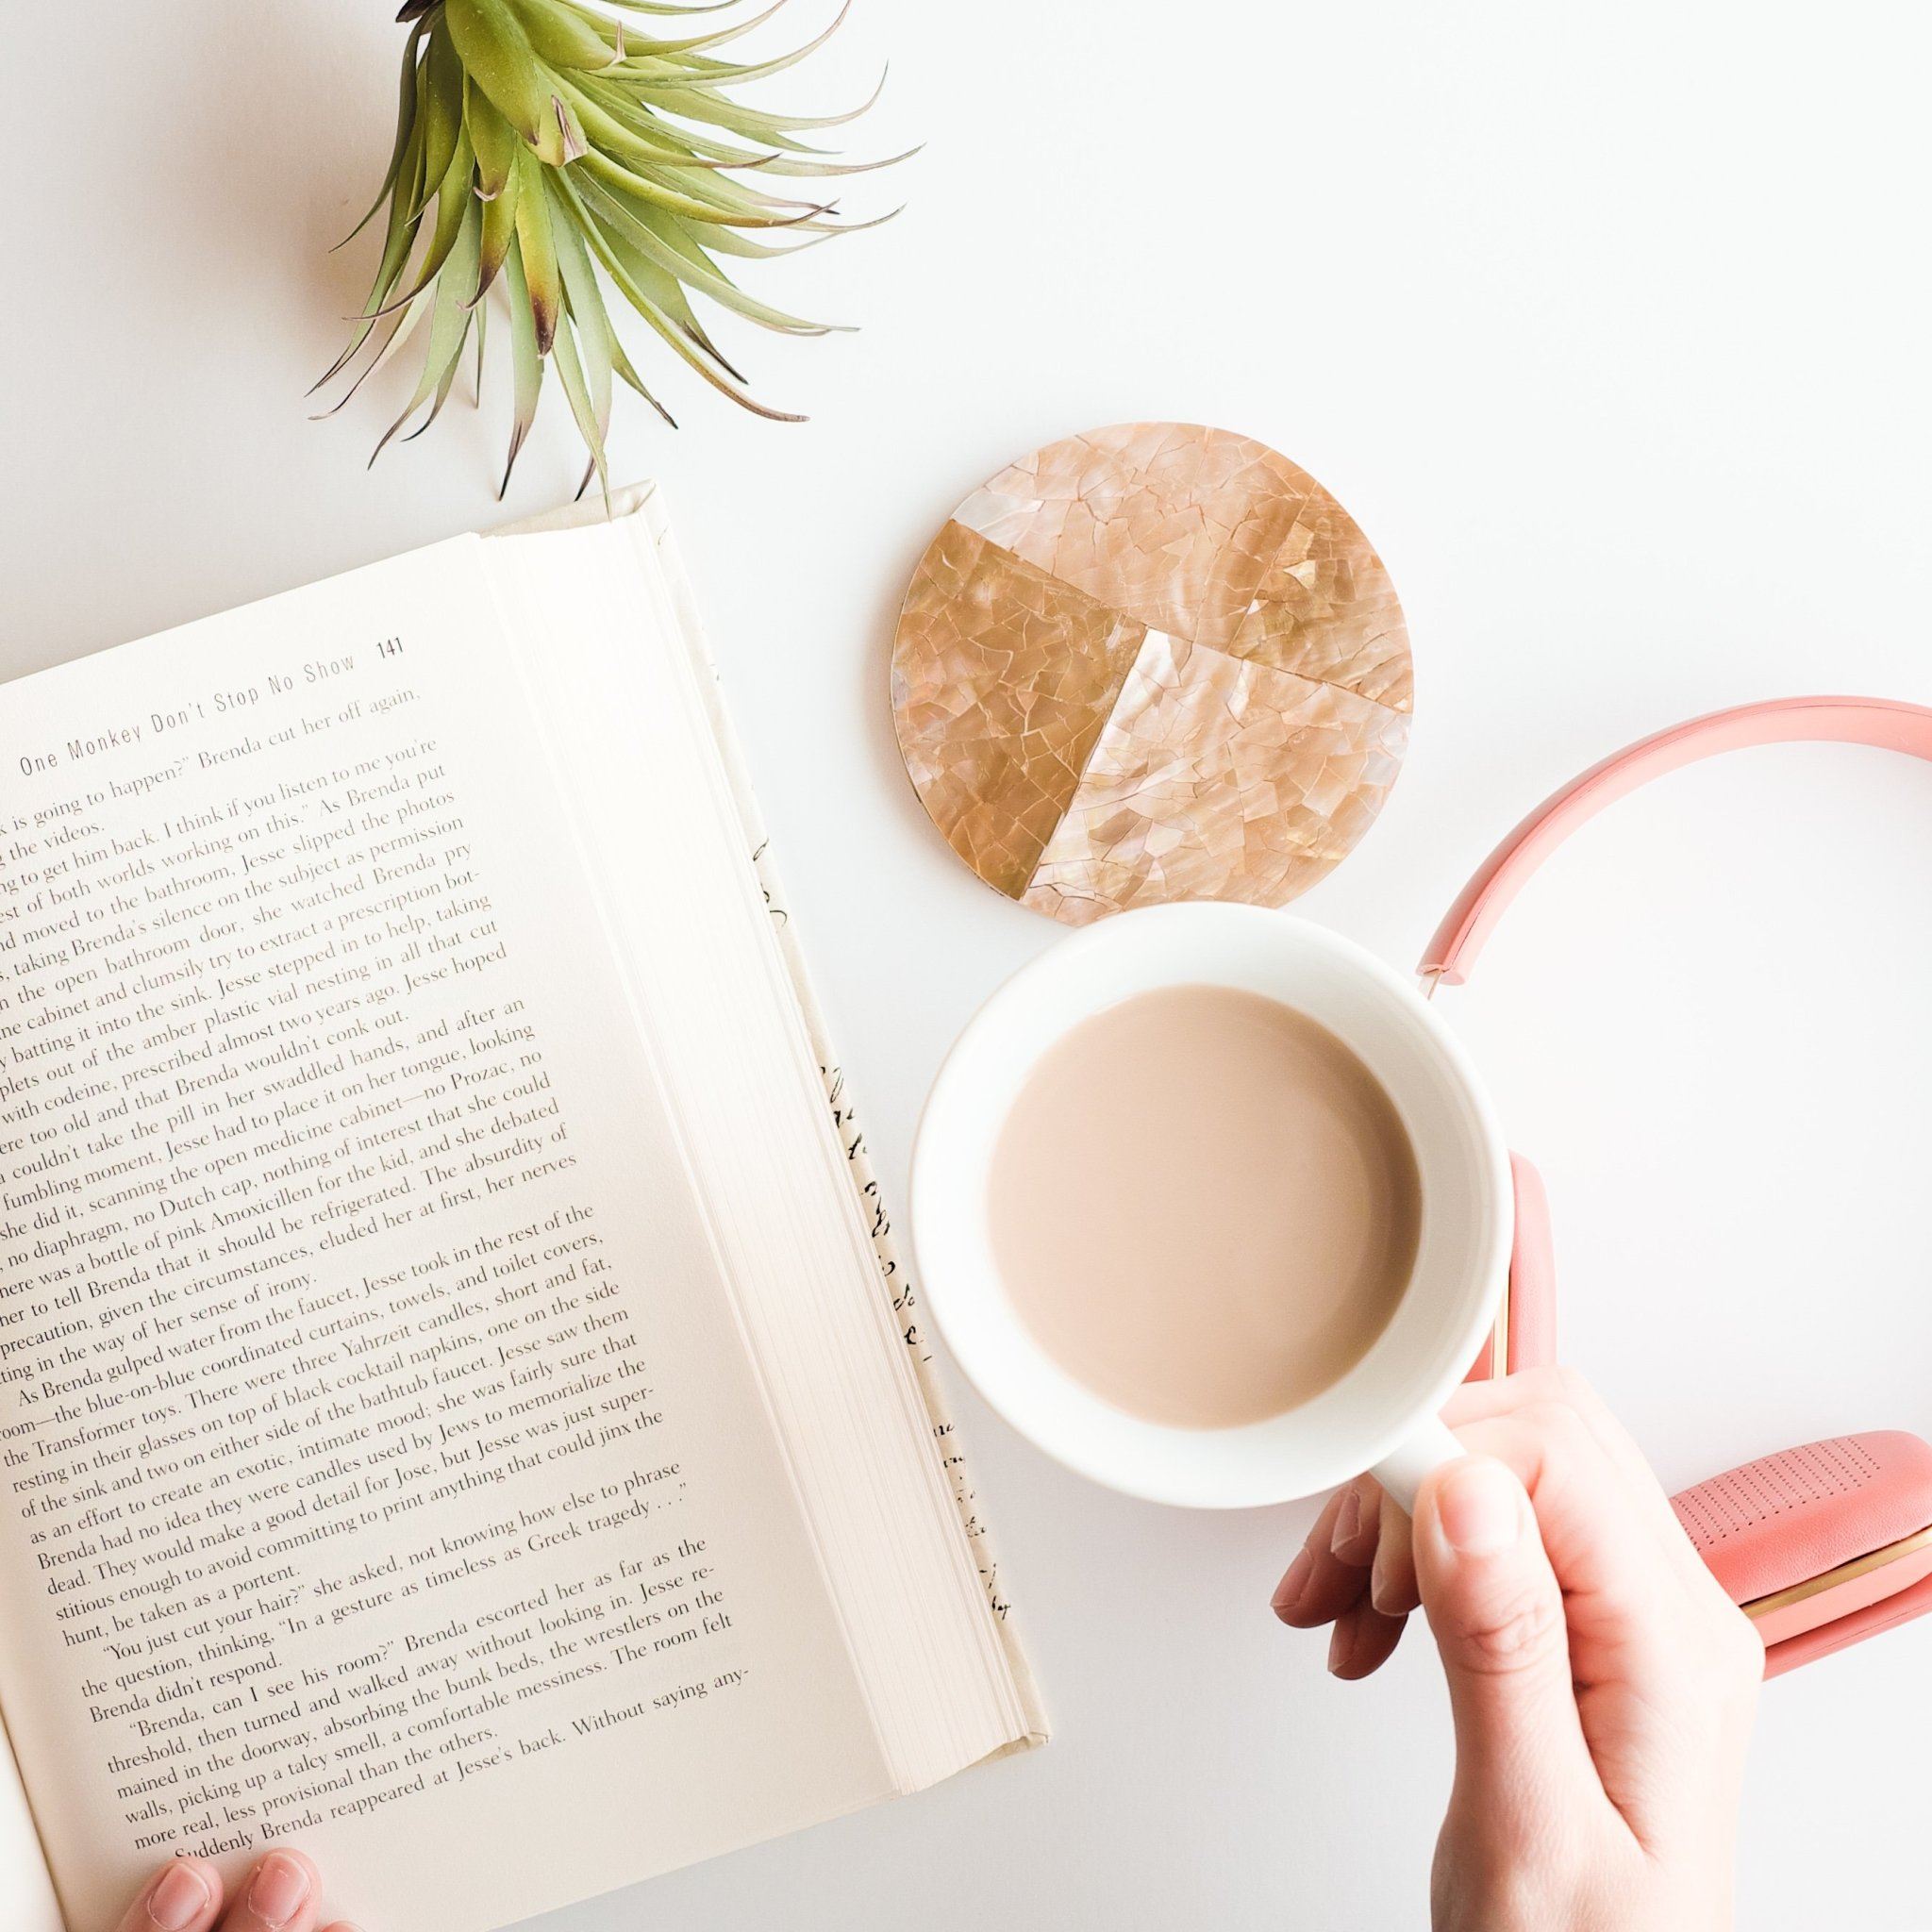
(1768, 1525)
(1851, 1621)
(1532, 1273)
(1530, 1295)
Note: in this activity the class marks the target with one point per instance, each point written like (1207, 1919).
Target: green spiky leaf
(494, 140)
(563, 36)
(526, 360)
(537, 245)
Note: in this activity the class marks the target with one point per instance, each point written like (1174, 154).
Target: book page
(27, 1887)
(379, 1462)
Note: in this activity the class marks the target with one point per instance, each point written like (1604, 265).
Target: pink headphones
(1822, 1544)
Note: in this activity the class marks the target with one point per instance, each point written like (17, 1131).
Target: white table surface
(1611, 331)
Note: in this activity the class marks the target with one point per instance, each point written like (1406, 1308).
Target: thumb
(1497, 1613)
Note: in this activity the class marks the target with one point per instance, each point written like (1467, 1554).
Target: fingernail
(278, 1890)
(1341, 1648)
(1378, 1590)
(1287, 1592)
(1479, 1505)
(1348, 1519)
(179, 1899)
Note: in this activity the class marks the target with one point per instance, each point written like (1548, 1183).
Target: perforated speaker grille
(1768, 1525)
(1714, 1510)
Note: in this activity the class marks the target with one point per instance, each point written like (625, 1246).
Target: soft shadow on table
(303, 147)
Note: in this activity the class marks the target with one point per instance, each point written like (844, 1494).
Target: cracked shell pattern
(1152, 662)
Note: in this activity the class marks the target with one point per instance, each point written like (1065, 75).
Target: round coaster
(1151, 662)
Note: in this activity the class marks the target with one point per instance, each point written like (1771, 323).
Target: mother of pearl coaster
(1151, 662)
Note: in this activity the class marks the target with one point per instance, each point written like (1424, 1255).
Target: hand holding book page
(282, 1891)
(449, 1413)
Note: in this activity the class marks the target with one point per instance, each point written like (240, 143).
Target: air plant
(544, 147)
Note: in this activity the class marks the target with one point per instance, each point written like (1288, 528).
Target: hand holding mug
(1601, 1681)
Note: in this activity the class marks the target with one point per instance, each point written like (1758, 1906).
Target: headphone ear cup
(1824, 1535)
(1532, 1342)
(1820, 1546)
(1524, 1335)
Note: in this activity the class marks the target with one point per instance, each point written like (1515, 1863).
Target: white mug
(1382, 1415)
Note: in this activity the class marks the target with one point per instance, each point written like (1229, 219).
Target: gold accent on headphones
(1858, 1566)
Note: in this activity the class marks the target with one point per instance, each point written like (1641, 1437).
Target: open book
(456, 1403)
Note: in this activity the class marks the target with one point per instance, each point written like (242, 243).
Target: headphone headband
(1883, 722)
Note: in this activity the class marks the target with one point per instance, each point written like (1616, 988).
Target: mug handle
(1427, 1446)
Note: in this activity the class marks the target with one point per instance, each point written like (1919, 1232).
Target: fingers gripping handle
(1427, 1446)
